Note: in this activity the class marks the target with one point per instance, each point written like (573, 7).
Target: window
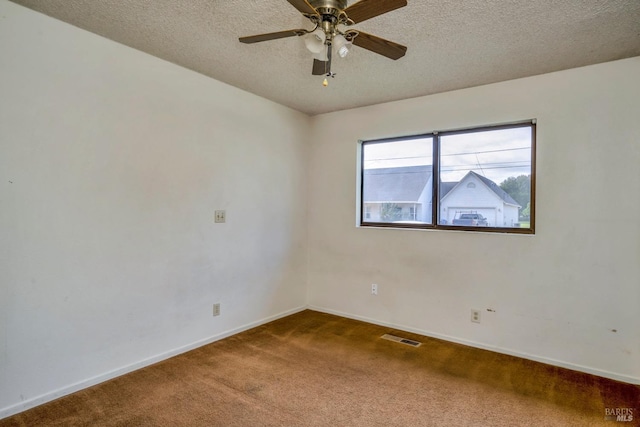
(480, 179)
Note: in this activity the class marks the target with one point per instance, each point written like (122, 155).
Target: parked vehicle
(473, 219)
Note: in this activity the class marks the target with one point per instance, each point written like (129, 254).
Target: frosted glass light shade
(314, 41)
(342, 45)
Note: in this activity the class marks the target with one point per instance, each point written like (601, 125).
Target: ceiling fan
(332, 19)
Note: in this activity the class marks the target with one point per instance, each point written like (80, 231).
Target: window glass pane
(397, 181)
(485, 178)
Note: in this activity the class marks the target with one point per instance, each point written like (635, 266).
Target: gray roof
(445, 187)
(403, 184)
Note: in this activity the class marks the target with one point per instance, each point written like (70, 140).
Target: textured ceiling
(451, 44)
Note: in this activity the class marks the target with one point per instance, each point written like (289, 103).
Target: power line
(525, 162)
(448, 155)
(399, 158)
(495, 165)
(488, 151)
(369, 171)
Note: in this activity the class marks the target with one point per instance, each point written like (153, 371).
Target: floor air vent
(401, 340)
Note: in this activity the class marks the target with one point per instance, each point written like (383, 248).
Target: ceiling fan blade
(303, 6)
(366, 9)
(271, 36)
(380, 46)
(319, 67)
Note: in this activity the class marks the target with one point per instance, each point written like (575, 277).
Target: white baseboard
(533, 357)
(47, 397)
(64, 391)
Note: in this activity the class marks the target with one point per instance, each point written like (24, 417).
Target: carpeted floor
(315, 369)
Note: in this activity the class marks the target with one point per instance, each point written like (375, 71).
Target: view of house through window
(483, 178)
(397, 181)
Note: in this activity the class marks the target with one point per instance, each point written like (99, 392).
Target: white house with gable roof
(404, 194)
(475, 193)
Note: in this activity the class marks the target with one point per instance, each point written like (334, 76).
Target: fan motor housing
(329, 4)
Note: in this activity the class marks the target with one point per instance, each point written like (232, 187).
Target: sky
(495, 154)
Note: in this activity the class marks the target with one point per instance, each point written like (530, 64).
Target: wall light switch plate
(220, 216)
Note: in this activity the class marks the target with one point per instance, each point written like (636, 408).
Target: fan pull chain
(327, 63)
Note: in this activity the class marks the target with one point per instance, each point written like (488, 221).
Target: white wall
(112, 163)
(569, 295)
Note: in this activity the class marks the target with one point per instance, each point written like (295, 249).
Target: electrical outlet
(475, 316)
(220, 216)
(374, 289)
(216, 309)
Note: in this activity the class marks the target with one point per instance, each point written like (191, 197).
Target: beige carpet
(315, 369)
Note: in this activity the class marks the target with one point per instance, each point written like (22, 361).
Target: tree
(390, 212)
(526, 212)
(519, 188)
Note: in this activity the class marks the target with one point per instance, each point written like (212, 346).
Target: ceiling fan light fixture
(314, 41)
(332, 20)
(342, 45)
